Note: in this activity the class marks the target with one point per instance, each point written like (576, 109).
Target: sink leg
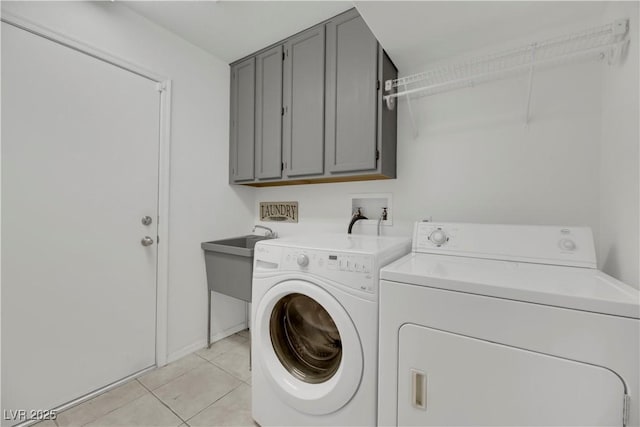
(209, 319)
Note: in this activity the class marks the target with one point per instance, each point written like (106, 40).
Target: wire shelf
(596, 42)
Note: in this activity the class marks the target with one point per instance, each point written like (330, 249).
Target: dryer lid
(560, 286)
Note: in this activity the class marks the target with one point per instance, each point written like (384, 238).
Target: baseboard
(229, 331)
(203, 343)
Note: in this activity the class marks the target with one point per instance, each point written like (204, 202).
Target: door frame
(163, 85)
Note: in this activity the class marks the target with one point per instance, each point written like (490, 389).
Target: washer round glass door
(305, 338)
(310, 350)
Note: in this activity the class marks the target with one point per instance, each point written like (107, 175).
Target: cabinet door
(446, 379)
(242, 141)
(352, 53)
(269, 114)
(304, 103)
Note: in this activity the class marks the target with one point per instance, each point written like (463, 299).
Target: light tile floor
(211, 387)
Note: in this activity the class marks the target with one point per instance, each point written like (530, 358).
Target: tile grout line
(162, 402)
(211, 361)
(172, 379)
(151, 391)
(114, 409)
(137, 379)
(212, 403)
(242, 382)
(228, 372)
(216, 356)
(206, 360)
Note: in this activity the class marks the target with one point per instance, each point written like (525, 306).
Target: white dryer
(506, 325)
(314, 328)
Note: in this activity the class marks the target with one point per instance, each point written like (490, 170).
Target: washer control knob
(567, 244)
(303, 260)
(438, 237)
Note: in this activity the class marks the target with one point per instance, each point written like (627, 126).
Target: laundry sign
(279, 211)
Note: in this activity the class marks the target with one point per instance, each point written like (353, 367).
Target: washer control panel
(302, 260)
(348, 269)
(354, 263)
(570, 246)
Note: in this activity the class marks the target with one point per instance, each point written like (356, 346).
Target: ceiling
(419, 32)
(412, 32)
(231, 30)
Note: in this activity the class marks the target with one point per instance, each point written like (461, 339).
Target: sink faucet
(383, 217)
(269, 232)
(357, 215)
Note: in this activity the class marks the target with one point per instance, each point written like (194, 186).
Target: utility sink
(241, 246)
(229, 264)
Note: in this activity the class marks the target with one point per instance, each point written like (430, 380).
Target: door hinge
(282, 111)
(281, 166)
(626, 409)
(378, 85)
(157, 240)
(283, 55)
(377, 154)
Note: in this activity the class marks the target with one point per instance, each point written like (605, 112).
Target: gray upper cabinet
(387, 121)
(310, 108)
(303, 141)
(242, 138)
(269, 114)
(351, 96)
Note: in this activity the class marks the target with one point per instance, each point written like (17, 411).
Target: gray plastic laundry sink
(242, 246)
(229, 264)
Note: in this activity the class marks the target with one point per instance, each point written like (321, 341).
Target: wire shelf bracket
(607, 41)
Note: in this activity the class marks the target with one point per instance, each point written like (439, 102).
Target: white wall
(203, 206)
(576, 163)
(619, 184)
(475, 161)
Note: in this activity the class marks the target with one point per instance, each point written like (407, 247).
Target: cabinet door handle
(418, 389)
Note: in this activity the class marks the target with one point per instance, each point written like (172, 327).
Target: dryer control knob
(303, 260)
(567, 244)
(438, 237)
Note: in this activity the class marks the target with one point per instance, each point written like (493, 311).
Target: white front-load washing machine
(506, 325)
(314, 328)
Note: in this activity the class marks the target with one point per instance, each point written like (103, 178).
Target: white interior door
(446, 379)
(80, 141)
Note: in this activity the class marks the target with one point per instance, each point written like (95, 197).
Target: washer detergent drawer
(447, 379)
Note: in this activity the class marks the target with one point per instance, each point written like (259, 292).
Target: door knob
(146, 241)
(146, 220)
